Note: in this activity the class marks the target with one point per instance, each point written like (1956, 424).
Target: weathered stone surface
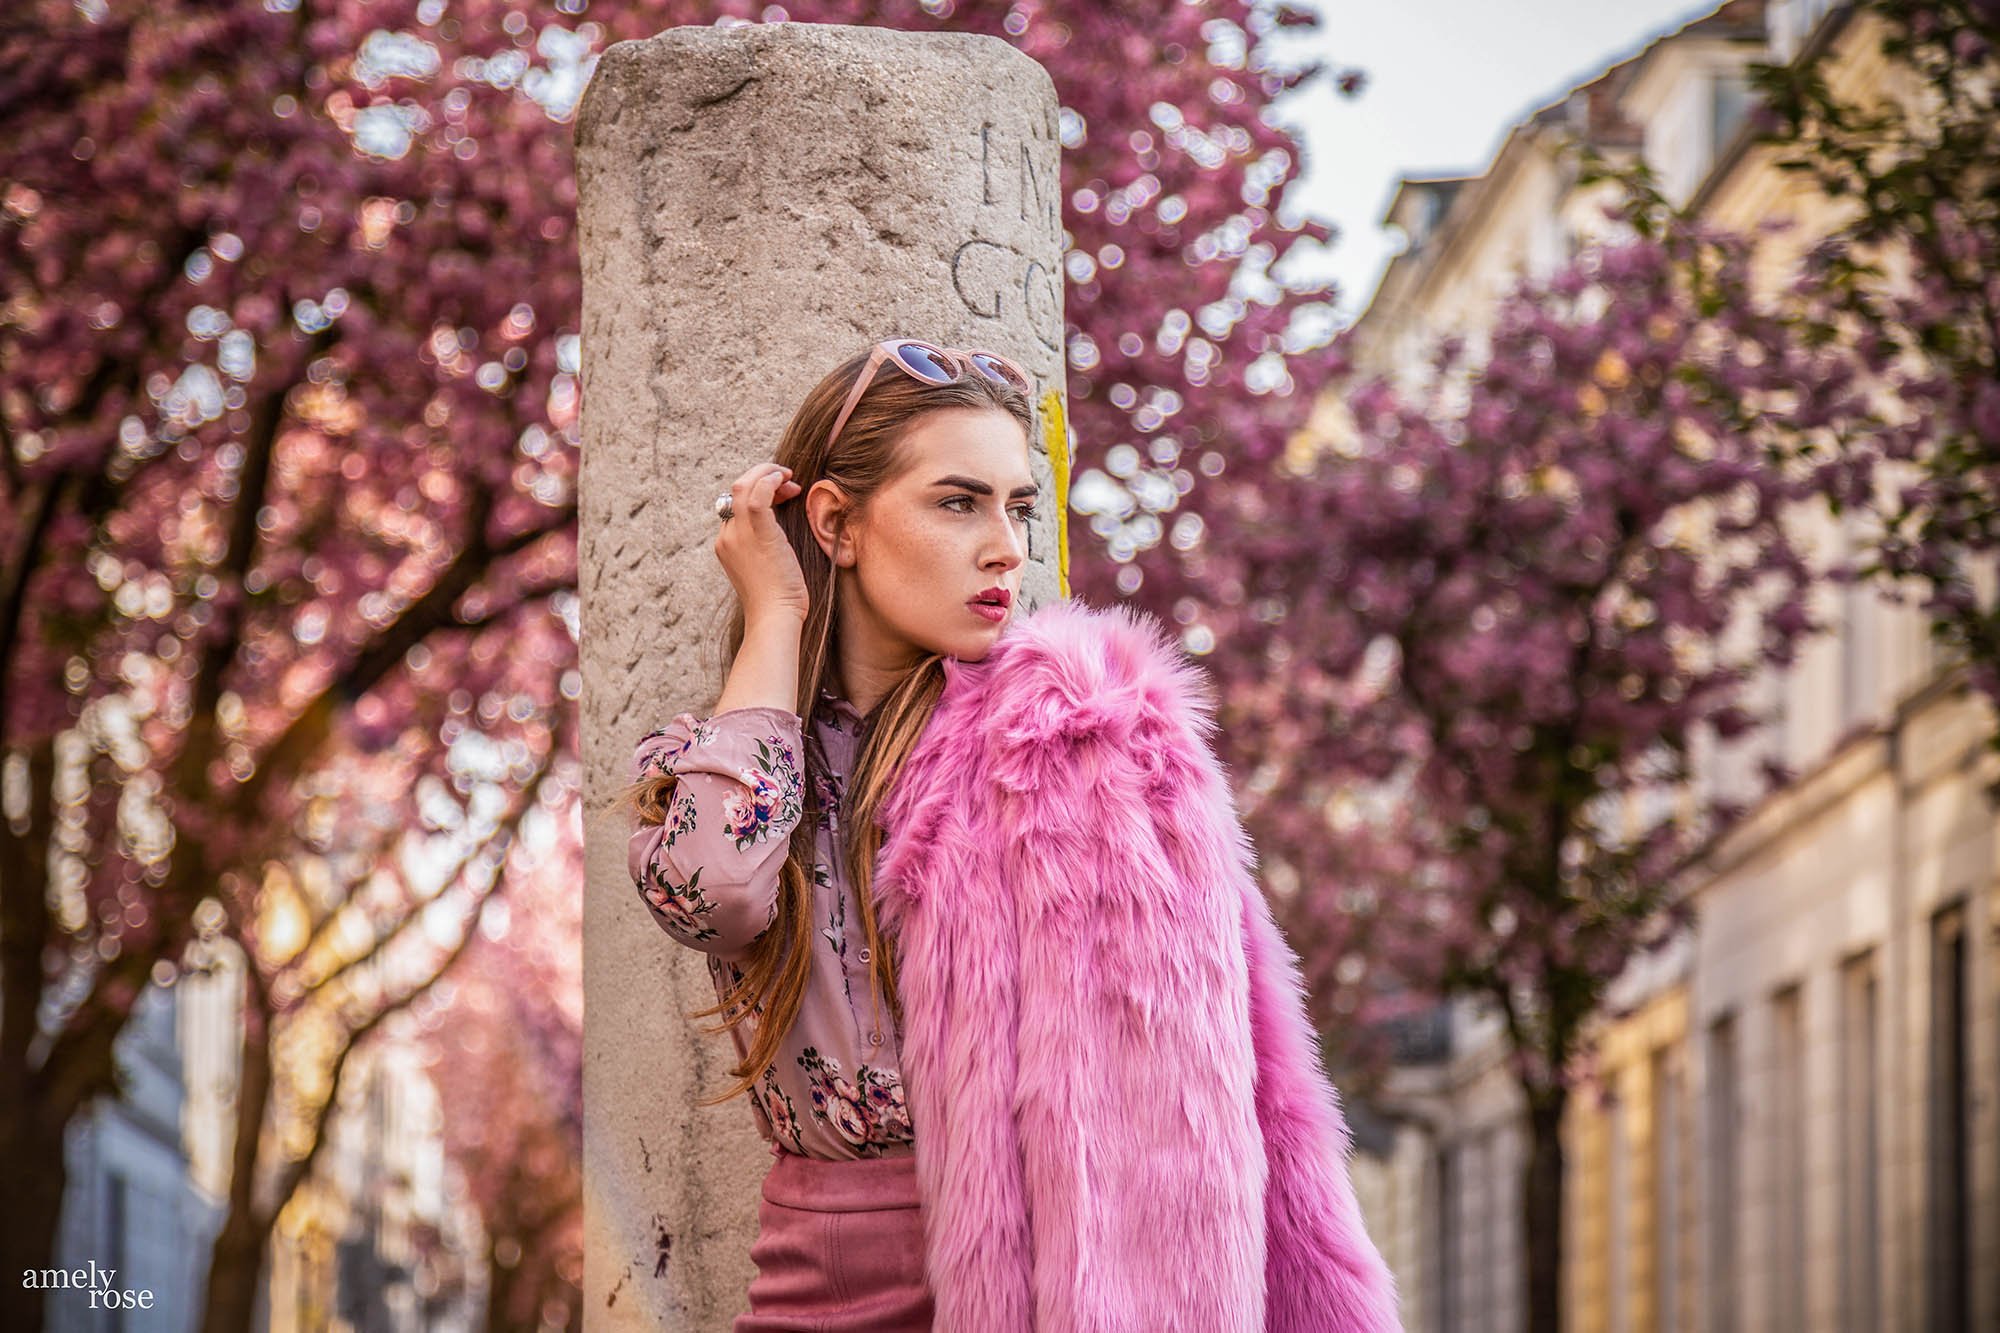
(756, 203)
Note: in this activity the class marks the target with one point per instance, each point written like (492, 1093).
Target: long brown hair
(865, 458)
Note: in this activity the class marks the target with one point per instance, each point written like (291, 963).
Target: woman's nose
(1014, 542)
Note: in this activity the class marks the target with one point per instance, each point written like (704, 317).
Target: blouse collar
(840, 708)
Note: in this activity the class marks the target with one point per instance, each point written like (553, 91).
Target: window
(1781, 740)
(1728, 103)
(1451, 1242)
(1479, 1178)
(1429, 213)
(1666, 1189)
(1860, 630)
(1860, 1185)
(117, 1235)
(1722, 1131)
(1618, 1244)
(1788, 1161)
(1503, 1214)
(1948, 1251)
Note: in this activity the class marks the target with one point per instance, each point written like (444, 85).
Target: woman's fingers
(755, 486)
(753, 549)
(763, 491)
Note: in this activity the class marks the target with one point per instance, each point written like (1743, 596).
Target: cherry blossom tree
(507, 1046)
(288, 410)
(289, 422)
(1484, 648)
(1911, 282)
(327, 964)
(1184, 332)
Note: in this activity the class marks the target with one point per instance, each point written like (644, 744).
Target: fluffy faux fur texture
(1122, 1120)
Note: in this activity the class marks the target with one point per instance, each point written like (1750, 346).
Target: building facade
(131, 1203)
(1793, 1125)
(378, 1240)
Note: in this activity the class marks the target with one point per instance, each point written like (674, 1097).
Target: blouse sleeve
(709, 874)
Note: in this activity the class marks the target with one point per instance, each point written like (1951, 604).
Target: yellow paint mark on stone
(1055, 438)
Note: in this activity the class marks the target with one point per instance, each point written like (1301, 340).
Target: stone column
(755, 204)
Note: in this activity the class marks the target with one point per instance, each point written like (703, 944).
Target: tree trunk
(31, 1150)
(1542, 1205)
(236, 1260)
(31, 1162)
(501, 1281)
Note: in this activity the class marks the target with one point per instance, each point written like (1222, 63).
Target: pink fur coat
(1122, 1119)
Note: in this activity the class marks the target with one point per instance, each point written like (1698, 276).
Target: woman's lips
(993, 613)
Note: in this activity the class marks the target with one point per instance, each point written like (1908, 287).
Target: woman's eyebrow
(981, 488)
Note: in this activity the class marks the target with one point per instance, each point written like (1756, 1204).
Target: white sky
(1446, 80)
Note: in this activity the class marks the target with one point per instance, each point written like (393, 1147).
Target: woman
(1065, 1182)
(905, 511)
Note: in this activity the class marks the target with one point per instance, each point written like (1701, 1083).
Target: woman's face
(951, 526)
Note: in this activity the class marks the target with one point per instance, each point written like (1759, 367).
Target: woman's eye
(1022, 513)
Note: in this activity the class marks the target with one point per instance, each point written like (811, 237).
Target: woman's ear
(826, 514)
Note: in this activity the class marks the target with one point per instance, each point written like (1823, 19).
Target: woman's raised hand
(753, 550)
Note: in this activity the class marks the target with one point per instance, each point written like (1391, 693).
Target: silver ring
(724, 510)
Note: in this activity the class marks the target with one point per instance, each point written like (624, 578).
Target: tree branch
(527, 595)
(411, 921)
(24, 916)
(431, 612)
(21, 566)
(241, 553)
(296, 1172)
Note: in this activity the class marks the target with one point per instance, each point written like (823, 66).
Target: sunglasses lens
(926, 363)
(993, 368)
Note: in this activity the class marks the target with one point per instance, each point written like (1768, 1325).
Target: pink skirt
(840, 1248)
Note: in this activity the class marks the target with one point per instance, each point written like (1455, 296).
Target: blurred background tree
(289, 414)
(1912, 284)
(288, 402)
(1504, 628)
(1484, 642)
(320, 982)
(507, 1054)
(1906, 286)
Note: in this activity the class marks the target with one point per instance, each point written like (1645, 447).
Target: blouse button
(874, 1039)
(864, 955)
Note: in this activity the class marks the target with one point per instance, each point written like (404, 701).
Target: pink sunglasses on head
(933, 365)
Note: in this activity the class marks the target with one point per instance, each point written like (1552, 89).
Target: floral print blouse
(709, 876)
